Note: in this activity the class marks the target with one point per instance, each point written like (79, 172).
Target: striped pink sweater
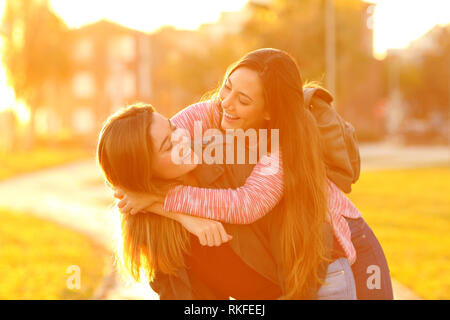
(258, 196)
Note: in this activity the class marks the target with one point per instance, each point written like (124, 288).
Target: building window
(83, 85)
(123, 48)
(84, 50)
(129, 84)
(83, 120)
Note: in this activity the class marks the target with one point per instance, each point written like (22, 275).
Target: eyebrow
(239, 91)
(167, 137)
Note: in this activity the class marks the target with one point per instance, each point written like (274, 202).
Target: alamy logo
(216, 147)
(74, 280)
(374, 281)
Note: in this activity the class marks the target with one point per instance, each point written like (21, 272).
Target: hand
(134, 202)
(209, 232)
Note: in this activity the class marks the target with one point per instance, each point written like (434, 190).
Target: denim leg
(339, 282)
(372, 278)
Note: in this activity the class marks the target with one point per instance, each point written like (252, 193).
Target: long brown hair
(303, 209)
(124, 152)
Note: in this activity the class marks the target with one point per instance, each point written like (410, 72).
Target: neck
(189, 179)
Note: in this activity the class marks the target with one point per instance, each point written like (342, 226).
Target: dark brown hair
(303, 209)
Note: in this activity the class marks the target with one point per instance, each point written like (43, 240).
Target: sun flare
(395, 23)
(398, 22)
(145, 16)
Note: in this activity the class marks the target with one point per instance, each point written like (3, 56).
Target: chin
(188, 168)
(226, 125)
(179, 171)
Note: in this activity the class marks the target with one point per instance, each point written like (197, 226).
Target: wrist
(177, 217)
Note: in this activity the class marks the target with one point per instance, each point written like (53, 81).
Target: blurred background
(66, 65)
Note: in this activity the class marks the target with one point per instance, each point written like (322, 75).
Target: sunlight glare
(7, 96)
(398, 22)
(146, 16)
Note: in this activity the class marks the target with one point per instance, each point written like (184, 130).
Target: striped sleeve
(340, 207)
(261, 192)
(203, 112)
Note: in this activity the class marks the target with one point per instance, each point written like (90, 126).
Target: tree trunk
(30, 139)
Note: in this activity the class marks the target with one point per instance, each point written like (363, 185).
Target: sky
(396, 22)
(146, 15)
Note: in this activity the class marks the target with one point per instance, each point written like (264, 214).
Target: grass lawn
(35, 256)
(22, 162)
(409, 211)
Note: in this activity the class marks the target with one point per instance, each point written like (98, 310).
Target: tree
(35, 52)
(425, 80)
(299, 28)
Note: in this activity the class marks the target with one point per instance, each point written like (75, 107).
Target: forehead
(159, 129)
(247, 80)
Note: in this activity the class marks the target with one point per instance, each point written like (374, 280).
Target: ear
(266, 116)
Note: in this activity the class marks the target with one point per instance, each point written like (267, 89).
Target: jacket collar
(207, 174)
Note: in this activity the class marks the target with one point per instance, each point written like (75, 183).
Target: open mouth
(230, 117)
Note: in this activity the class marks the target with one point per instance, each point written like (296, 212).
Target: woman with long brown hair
(133, 154)
(264, 89)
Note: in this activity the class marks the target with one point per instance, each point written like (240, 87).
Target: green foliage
(35, 255)
(424, 81)
(35, 54)
(298, 27)
(15, 163)
(36, 50)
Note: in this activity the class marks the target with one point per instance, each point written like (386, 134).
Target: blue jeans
(371, 272)
(339, 282)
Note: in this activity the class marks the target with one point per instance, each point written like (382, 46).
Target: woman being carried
(263, 90)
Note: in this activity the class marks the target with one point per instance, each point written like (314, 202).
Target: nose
(227, 103)
(179, 136)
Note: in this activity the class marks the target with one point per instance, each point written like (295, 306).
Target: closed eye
(167, 140)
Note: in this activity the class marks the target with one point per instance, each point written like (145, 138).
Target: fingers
(215, 235)
(223, 234)
(126, 208)
(217, 239)
(209, 238)
(118, 193)
(202, 239)
(122, 203)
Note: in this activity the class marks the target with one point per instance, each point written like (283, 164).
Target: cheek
(167, 169)
(253, 115)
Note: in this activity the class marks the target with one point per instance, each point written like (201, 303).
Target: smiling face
(243, 100)
(162, 132)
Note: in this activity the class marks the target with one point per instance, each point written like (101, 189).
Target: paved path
(74, 196)
(381, 156)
